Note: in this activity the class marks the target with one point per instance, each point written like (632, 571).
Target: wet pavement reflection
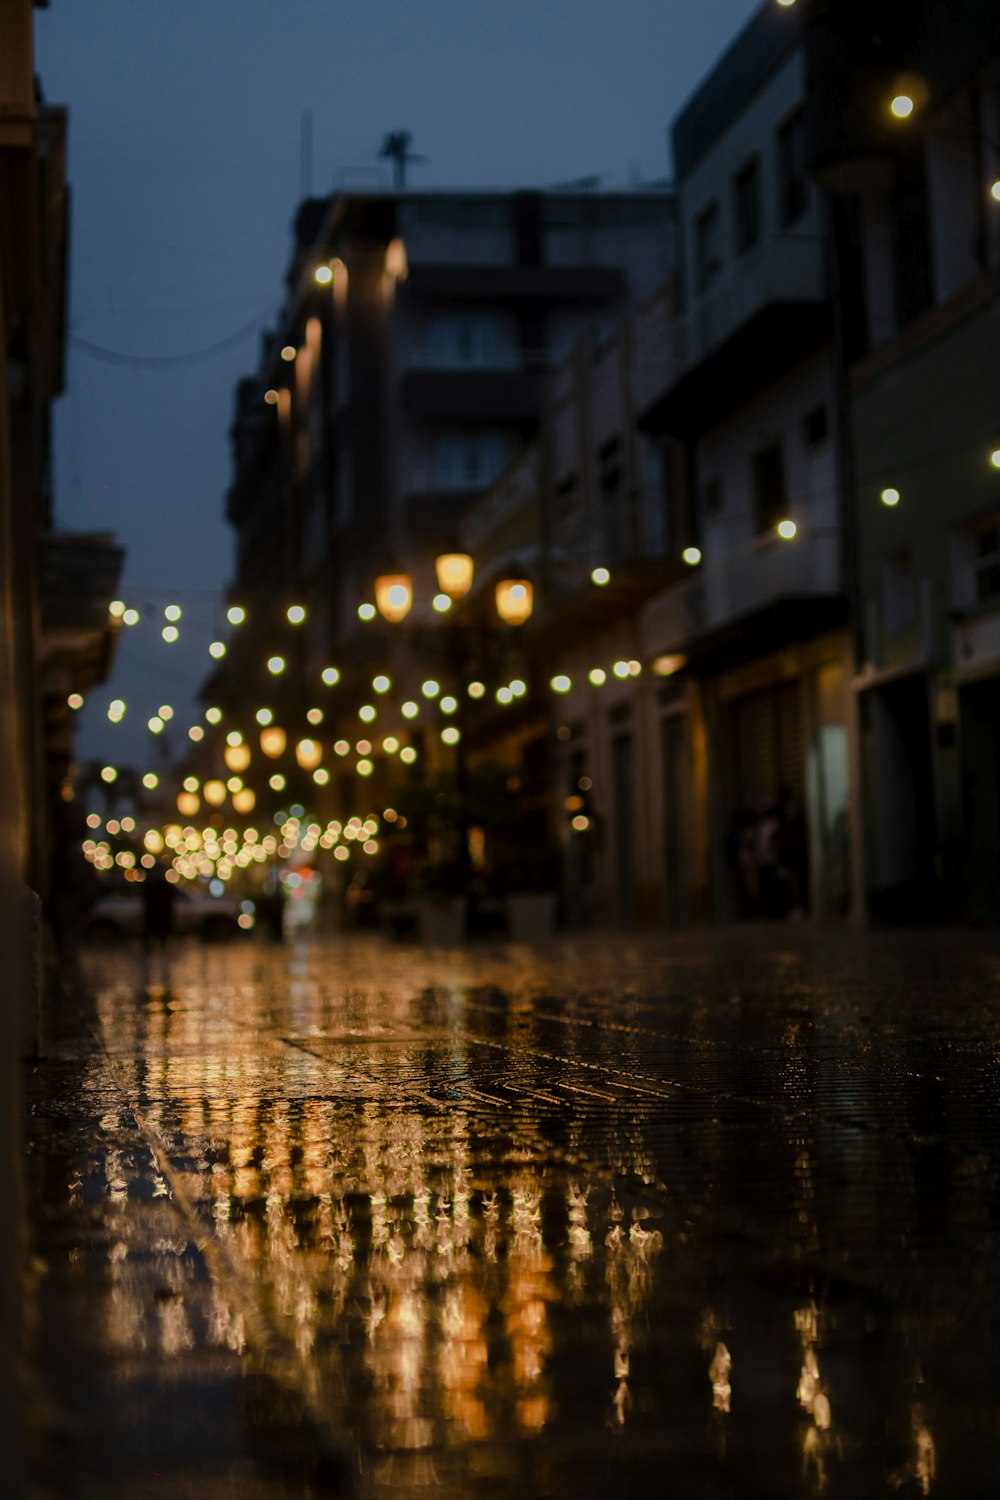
(717, 1216)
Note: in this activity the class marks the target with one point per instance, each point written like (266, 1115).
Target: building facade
(917, 214)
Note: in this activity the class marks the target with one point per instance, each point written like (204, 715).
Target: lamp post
(454, 572)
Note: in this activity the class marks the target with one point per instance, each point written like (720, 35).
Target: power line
(164, 361)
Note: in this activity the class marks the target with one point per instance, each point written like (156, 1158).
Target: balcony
(752, 324)
(751, 600)
(515, 283)
(498, 393)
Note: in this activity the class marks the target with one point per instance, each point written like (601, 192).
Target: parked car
(120, 913)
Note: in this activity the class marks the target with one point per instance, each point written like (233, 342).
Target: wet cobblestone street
(714, 1215)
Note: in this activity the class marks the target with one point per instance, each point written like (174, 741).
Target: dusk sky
(185, 162)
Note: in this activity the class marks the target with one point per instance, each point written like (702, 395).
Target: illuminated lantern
(393, 595)
(308, 753)
(273, 741)
(188, 804)
(237, 757)
(214, 793)
(244, 800)
(454, 574)
(514, 600)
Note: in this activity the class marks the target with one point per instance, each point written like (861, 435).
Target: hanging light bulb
(393, 596)
(273, 741)
(454, 573)
(514, 598)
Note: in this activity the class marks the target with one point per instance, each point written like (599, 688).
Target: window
(792, 180)
(707, 249)
(986, 560)
(898, 602)
(469, 461)
(815, 426)
(746, 206)
(769, 494)
(713, 497)
(465, 339)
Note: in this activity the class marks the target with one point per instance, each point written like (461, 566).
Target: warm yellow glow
(116, 608)
(234, 737)
(191, 783)
(275, 665)
(264, 716)
(477, 689)
(323, 275)
(315, 715)
(450, 735)
(131, 617)
(448, 704)
(408, 755)
(504, 695)
(454, 573)
(273, 741)
(902, 106)
(237, 757)
(560, 683)
(364, 768)
(692, 556)
(597, 676)
(514, 599)
(518, 687)
(367, 713)
(322, 776)
(214, 793)
(995, 190)
(172, 612)
(580, 823)
(395, 260)
(288, 353)
(276, 782)
(600, 576)
(890, 496)
(308, 753)
(109, 774)
(116, 708)
(295, 614)
(394, 596)
(271, 397)
(196, 733)
(995, 458)
(409, 709)
(786, 529)
(213, 715)
(236, 614)
(620, 670)
(441, 603)
(153, 840)
(188, 804)
(244, 800)
(364, 747)
(330, 676)
(786, 4)
(170, 634)
(155, 725)
(367, 611)
(150, 781)
(217, 649)
(390, 744)
(75, 700)
(341, 747)
(381, 683)
(666, 666)
(165, 712)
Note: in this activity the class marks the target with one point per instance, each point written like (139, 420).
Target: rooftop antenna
(396, 147)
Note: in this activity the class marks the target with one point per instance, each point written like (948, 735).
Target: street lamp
(393, 596)
(514, 600)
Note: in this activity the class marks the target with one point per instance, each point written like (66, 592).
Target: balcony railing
(741, 582)
(786, 270)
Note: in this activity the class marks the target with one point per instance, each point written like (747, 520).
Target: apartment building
(405, 375)
(907, 144)
(747, 703)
